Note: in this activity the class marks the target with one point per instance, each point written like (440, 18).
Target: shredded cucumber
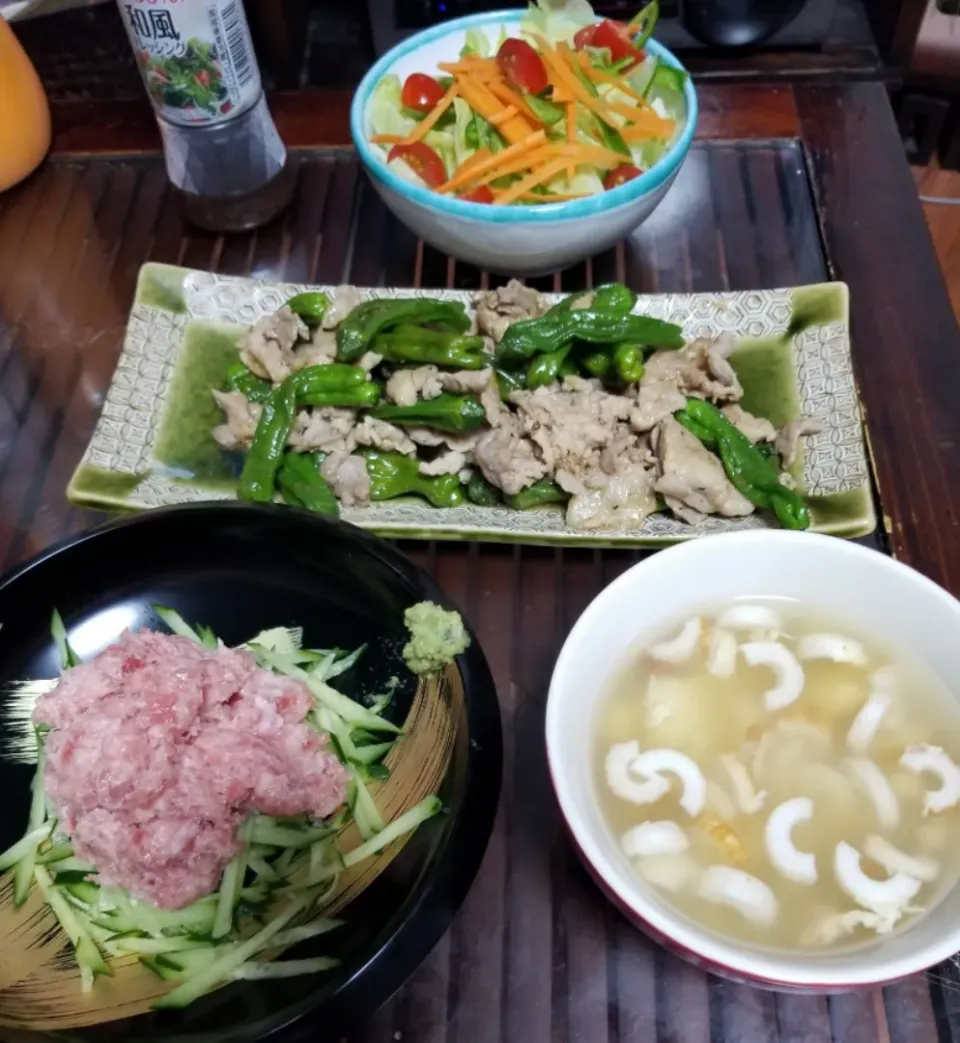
(230, 887)
(58, 631)
(176, 623)
(255, 971)
(22, 847)
(406, 823)
(224, 967)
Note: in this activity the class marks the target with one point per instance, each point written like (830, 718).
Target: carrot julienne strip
(537, 137)
(537, 177)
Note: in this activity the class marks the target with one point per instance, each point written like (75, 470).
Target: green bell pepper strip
(749, 471)
(359, 328)
(544, 491)
(302, 485)
(432, 347)
(241, 379)
(545, 369)
(628, 362)
(332, 377)
(362, 397)
(550, 332)
(266, 451)
(545, 110)
(444, 413)
(311, 307)
(393, 474)
(641, 26)
(482, 492)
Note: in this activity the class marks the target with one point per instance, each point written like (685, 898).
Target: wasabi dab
(436, 637)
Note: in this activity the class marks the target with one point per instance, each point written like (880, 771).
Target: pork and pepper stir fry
(347, 401)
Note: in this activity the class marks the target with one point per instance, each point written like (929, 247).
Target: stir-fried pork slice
(326, 430)
(626, 450)
(788, 440)
(407, 385)
(571, 425)
(449, 462)
(348, 478)
(621, 505)
(692, 479)
(508, 459)
(242, 418)
(700, 370)
(756, 428)
(320, 350)
(461, 441)
(482, 382)
(498, 309)
(369, 361)
(342, 302)
(378, 434)
(268, 348)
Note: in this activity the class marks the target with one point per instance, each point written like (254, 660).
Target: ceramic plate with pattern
(152, 445)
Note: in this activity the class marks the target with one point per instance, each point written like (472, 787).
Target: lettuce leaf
(386, 108)
(475, 42)
(557, 20)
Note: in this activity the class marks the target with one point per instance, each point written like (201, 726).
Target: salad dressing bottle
(222, 150)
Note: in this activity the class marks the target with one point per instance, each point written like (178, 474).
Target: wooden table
(784, 186)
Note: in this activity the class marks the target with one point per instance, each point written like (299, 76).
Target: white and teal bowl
(518, 240)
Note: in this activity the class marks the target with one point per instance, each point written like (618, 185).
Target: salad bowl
(516, 239)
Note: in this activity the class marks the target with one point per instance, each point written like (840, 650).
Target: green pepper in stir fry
(749, 471)
(444, 413)
(393, 474)
(359, 328)
(241, 379)
(432, 347)
(544, 491)
(302, 485)
(266, 451)
(311, 307)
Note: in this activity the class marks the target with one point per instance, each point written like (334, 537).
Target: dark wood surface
(327, 44)
(786, 187)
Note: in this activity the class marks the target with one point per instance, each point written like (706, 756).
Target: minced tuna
(159, 749)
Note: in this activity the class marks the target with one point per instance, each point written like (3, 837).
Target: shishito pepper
(749, 471)
(482, 492)
(544, 491)
(545, 369)
(508, 382)
(550, 332)
(241, 379)
(335, 384)
(370, 318)
(409, 343)
(302, 485)
(444, 413)
(628, 363)
(310, 306)
(266, 451)
(596, 363)
(393, 474)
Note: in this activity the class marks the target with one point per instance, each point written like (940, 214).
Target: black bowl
(240, 569)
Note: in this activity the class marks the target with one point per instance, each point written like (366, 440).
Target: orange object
(478, 97)
(537, 177)
(472, 173)
(24, 113)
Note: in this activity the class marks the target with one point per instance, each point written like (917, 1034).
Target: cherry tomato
(620, 175)
(480, 194)
(421, 92)
(422, 160)
(584, 36)
(616, 39)
(203, 78)
(522, 66)
(612, 35)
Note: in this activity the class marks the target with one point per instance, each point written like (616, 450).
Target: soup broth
(781, 779)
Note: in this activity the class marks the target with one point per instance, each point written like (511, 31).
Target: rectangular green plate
(152, 445)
